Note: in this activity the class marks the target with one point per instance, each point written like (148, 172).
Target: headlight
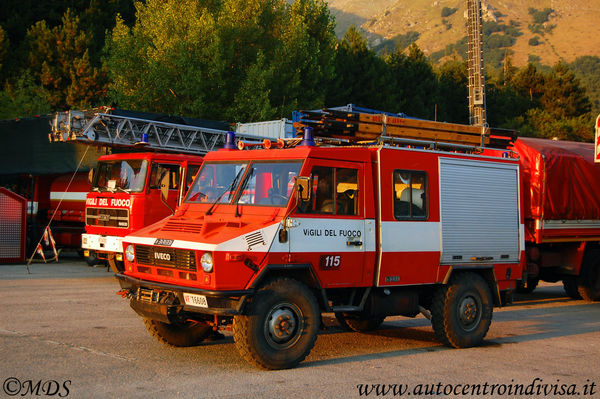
(129, 254)
(207, 262)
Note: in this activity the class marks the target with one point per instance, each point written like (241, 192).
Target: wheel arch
(485, 271)
(302, 272)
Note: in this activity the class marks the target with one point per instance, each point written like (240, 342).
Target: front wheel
(280, 327)
(178, 334)
(117, 266)
(461, 312)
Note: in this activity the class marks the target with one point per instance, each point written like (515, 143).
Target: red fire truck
(126, 196)
(126, 187)
(268, 239)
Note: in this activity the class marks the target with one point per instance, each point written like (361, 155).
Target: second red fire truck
(126, 196)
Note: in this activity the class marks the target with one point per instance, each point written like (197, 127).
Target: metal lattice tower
(475, 64)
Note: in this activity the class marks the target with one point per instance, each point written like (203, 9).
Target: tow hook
(124, 293)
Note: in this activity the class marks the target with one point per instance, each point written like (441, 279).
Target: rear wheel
(178, 334)
(280, 327)
(570, 286)
(589, 284)
(358, 323)
(532, 283)
(461, 312)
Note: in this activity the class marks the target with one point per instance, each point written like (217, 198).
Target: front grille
(166, 257)
(111, 217)
(182, 227)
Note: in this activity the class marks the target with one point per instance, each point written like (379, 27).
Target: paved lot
(63, 325)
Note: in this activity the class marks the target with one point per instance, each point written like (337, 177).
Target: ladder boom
(99, 127)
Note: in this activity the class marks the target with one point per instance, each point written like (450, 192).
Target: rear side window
(410, 195)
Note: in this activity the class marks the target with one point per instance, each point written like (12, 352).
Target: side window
(335, 191)
(410, 195)
(159, 170)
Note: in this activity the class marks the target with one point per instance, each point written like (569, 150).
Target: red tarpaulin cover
(560, 179)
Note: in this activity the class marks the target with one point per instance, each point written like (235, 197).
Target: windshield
(216, 182)
(124, 175)
(265, 183)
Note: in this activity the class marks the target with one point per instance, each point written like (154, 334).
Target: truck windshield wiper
(231, 187)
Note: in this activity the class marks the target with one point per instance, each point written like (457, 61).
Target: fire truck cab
(269, 239)
(126, 195)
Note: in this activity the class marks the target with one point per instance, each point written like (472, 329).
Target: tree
(304, 63)
(214, 59)
(169, 61)
(361, 76)
(529, 83)
(453, 104)
(3, 48)
(23, 98)
(563, 97)
(59, 60)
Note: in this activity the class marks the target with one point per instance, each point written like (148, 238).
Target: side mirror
(164, 186)
(91, 176)
(303, 189)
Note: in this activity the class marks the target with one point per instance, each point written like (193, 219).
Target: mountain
(543, 31)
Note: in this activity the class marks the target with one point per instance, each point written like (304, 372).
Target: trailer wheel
(358, 323)
(461, 312)
(571, 288)
(589, 283)
(280, 326)
(181, 334)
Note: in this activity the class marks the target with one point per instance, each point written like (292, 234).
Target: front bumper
(165, 302)
(102, 243)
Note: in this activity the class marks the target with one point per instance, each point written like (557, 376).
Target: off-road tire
(571, 287)
(589, 283)
(91, 260)
(117, 266)
(181, 334)
(532, 283)
(461, 312)
(358, 323)
(270, 345)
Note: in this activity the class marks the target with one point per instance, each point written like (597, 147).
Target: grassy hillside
(540, 30)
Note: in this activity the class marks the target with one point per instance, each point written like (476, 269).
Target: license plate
(195, 300)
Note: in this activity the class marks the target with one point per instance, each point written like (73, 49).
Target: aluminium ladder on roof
(98, 127)
(357, 126)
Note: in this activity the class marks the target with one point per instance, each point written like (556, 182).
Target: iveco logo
(162, 256)
(103, 217)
